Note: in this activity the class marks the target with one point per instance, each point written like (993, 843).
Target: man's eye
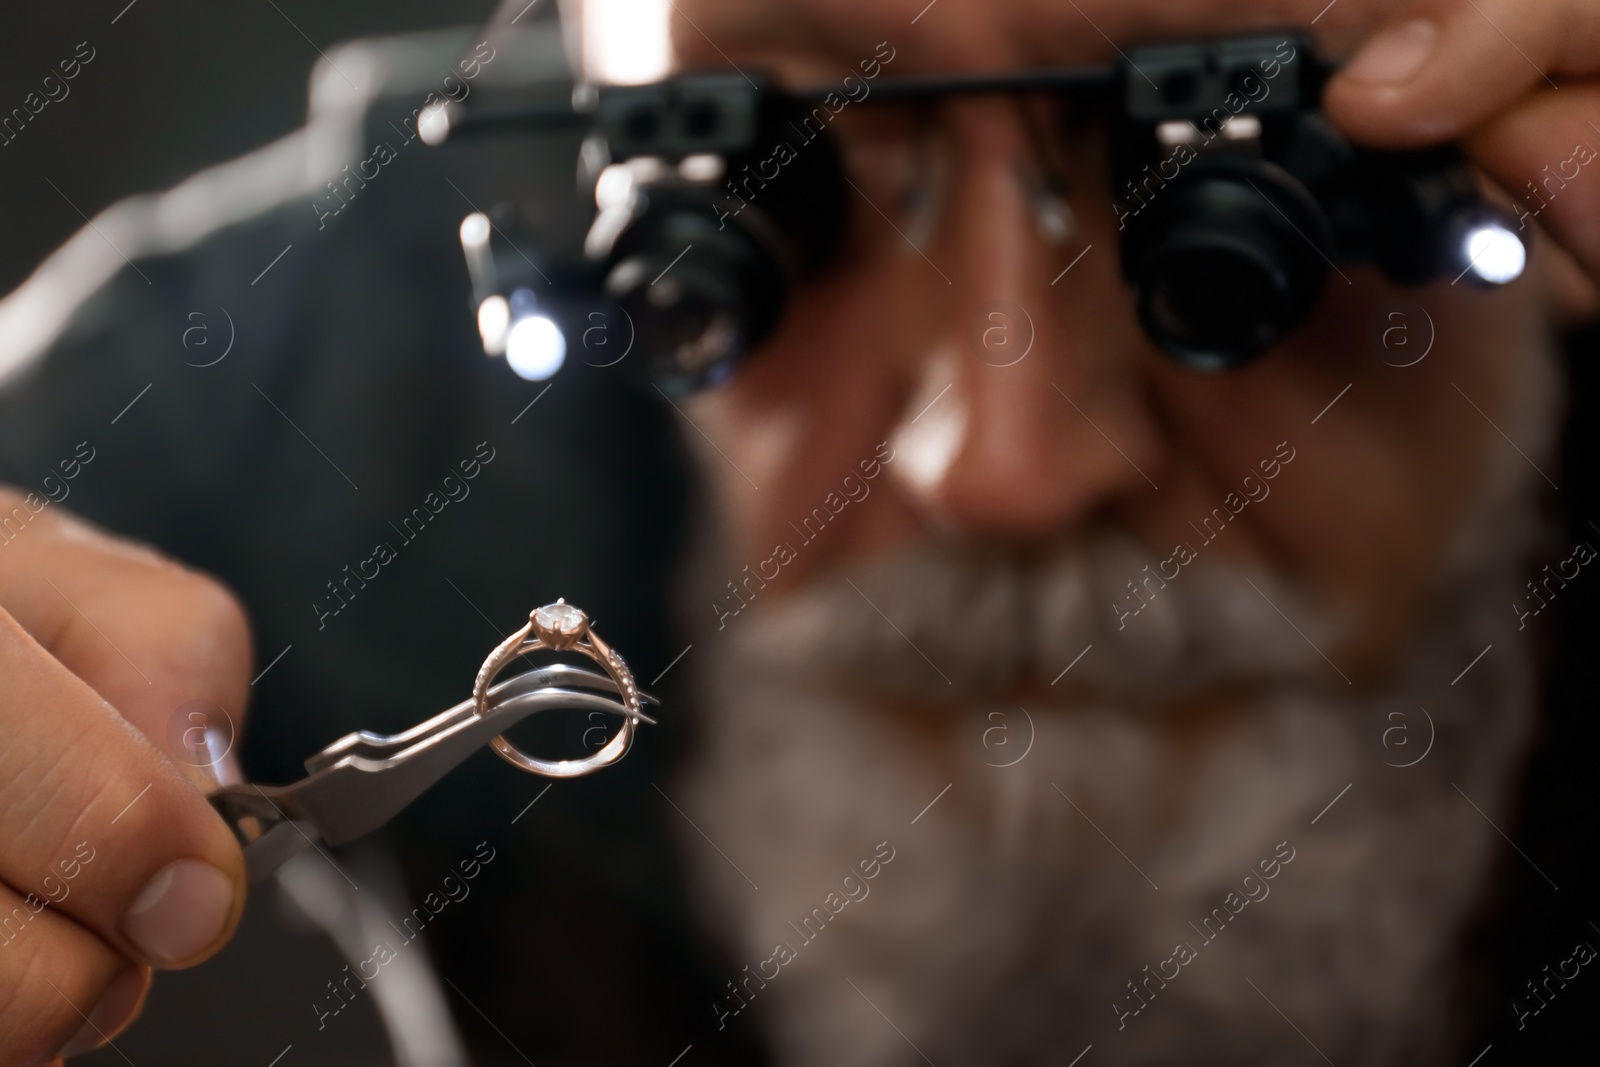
(886, 172)
(886, 161)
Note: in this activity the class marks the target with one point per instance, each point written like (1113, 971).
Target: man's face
(1195, 603)
(1093, 426)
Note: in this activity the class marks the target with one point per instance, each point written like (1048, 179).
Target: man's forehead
(814, 37)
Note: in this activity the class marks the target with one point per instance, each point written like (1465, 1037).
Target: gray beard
(1020, 920)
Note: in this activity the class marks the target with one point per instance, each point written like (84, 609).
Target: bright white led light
(475, 230)
(614, 187)
(433, 125)
(702, 167)
(535, 348)
(494, 322)
(1495, 254)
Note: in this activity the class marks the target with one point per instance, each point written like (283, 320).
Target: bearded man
(1084, 761)
(1044, 703)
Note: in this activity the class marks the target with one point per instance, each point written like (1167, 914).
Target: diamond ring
(561, 627)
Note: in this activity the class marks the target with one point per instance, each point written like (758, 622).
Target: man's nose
(1047, 421)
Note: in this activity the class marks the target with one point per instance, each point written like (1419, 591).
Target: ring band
(561, 627)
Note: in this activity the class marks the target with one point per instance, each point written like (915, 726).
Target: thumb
(1444, 66)
(168, 647)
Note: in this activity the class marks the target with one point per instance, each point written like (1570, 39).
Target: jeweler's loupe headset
(1238, 197)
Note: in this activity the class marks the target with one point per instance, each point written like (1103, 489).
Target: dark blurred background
(173, 87)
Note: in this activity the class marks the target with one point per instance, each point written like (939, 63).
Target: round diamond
(560, 618)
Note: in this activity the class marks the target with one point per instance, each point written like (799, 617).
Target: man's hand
(111, 861)
(1515, 79)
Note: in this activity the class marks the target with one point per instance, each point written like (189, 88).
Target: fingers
(1488, 71)
(1438, 68)
(62, 990)
(161, 643)
(110, 862)
(1546, 154)
(96, 820)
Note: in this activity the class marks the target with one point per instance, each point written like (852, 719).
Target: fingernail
(180, 913)
(115, 1009)
(1395, 54)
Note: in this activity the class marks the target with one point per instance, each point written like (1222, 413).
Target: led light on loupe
(535, 348)
(475, 230)
(494, 323)
(433, 124)
(1495, 254)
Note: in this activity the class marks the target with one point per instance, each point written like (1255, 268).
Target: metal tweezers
(361, 781)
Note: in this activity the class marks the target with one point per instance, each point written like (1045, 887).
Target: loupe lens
(681, 311)
(699, 295)
(1226, 261)
(1214, 303)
